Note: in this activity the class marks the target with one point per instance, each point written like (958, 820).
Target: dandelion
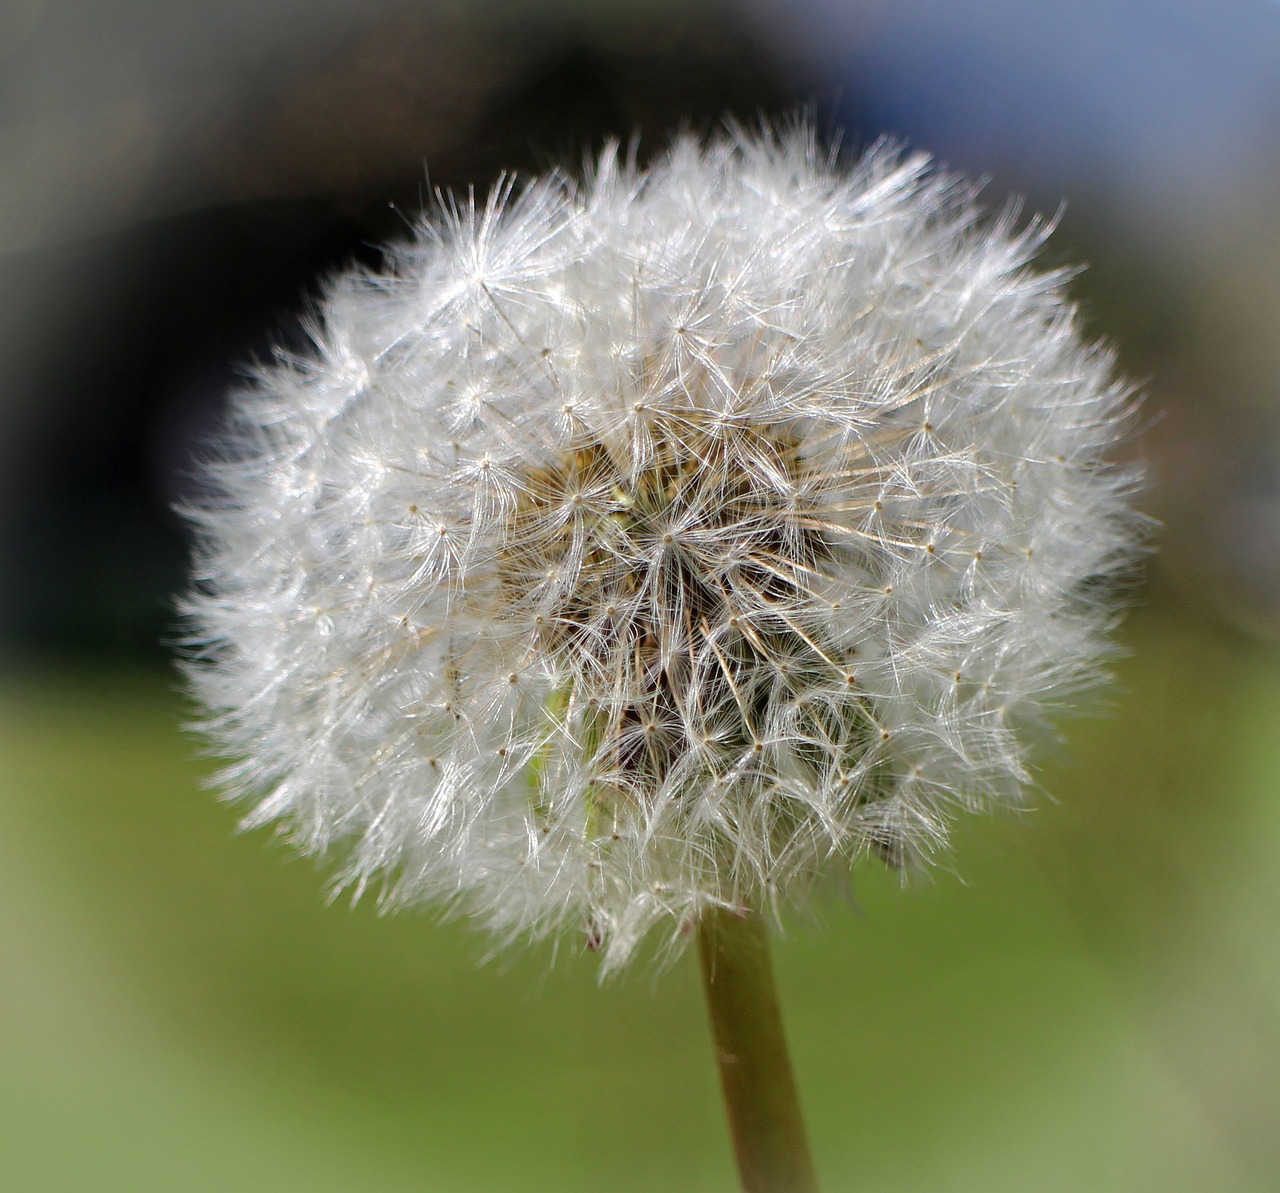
(632, 552)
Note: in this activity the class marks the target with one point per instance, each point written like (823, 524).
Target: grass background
(1088, 999)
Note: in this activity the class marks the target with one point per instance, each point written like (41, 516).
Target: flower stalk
(761, 1100)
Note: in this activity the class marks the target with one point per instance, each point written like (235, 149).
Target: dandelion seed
(677, 445)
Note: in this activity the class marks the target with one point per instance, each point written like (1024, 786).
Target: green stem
(751, 1051)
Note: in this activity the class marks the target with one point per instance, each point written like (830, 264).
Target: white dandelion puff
(630, 547)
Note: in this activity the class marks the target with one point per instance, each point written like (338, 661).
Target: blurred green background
(1087, 997)
(1094, 1003)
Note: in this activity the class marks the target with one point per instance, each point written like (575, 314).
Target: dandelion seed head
(662, 540)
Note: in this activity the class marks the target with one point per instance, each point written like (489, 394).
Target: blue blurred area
(1168, 109)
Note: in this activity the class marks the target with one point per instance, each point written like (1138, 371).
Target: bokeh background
(1088, 999)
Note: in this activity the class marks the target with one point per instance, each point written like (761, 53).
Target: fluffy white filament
(631, 546)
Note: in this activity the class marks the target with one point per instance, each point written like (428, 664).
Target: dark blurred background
(1096, 1009)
